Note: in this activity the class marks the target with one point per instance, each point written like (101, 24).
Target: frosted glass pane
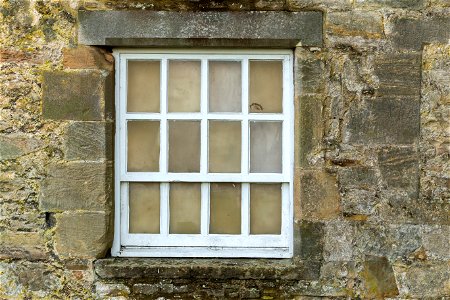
(225, 86)
(266, 86)
(143, 86)
(265, 208)
(224, 147)
(265, 147)
(185, 208)
(184, 86)
(225, 208)
(144, 207)
(184, 146)
(143, 146)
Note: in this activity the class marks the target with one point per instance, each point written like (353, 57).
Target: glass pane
(224, 147)
(184, 86)
(184, 146)
(144, 207)
(185, 207)
(143, 86)
(143, 146)
(225, 86)
(265, 147)
(266, 86)
(225, 208)
(265, 208)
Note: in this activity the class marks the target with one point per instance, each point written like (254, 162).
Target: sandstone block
(83, 234)
(89, 141)
(398, 74)
(13, 146)
(77, 186)
(310, 73)
(338, 241)
(379, 279)
(409, 4)
(84, 57)
(411, 33)
(22, 245)
(355, 24)
(308, 242)
(77, 95)
(319, 196)
(383, 121)
(310, 127)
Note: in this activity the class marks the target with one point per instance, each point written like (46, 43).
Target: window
(204, 153)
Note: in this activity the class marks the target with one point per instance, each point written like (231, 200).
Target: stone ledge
(143, 269)
(205, 29)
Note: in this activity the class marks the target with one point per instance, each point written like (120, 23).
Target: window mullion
(204, 222)
(245, 209)
(163, 125)
(245, 133)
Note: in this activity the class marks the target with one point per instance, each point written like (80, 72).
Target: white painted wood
(203, 244)
(197, 177)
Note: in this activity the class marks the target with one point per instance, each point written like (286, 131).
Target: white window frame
(203, 244)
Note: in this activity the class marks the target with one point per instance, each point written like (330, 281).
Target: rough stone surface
(77, 186)
(82, 234)
(372, 145)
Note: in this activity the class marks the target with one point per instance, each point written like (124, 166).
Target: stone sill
(210, 269)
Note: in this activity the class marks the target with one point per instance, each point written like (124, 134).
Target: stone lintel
(266, 29)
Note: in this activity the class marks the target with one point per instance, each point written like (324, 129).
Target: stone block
(429, 279)
(105, 290)
(412, 33)
(398, 74)
(436, 241)
(22, 245)
(91, 141)
(200, 29)
(322, 4)
(408, 4)
(338, 241)
(310, 128)
(310, 73)
(77, 186)
(358, 177)
(378, 278)
(363, 24)
(400, 168)
(308, 243)
(13, 146)
(383, 121)
(83, 234)
(319, 196)
(77, 95)
(84, 57)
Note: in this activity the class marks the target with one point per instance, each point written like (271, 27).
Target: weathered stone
(311, 73)
(84, 57)
(310, 128)
(355, 24)
(165, 28)
(319, 196)
(336, 278)
(83, 234)
(22, 245)
(403, 240)
(89, 141)
(14, 146)
(77, 185)
(383, 121)
(379, 280)
(77, 95)
(436, 240)
(145, 288)
(323, 4)
(206, 269)
(400, 168)
(111, 289)
(423, 279)
(358, 177)
(410, 4)
(409, 33)
(398, 74)
(338, 239)
(309, 245)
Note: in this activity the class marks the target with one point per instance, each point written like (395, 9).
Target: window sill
(210, 269)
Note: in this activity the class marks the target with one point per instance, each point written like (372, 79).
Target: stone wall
(372, 193)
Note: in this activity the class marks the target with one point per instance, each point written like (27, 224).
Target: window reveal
(204, 153)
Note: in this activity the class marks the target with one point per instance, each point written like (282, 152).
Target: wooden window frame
(204, 244)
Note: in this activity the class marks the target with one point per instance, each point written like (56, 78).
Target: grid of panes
(207, 158)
